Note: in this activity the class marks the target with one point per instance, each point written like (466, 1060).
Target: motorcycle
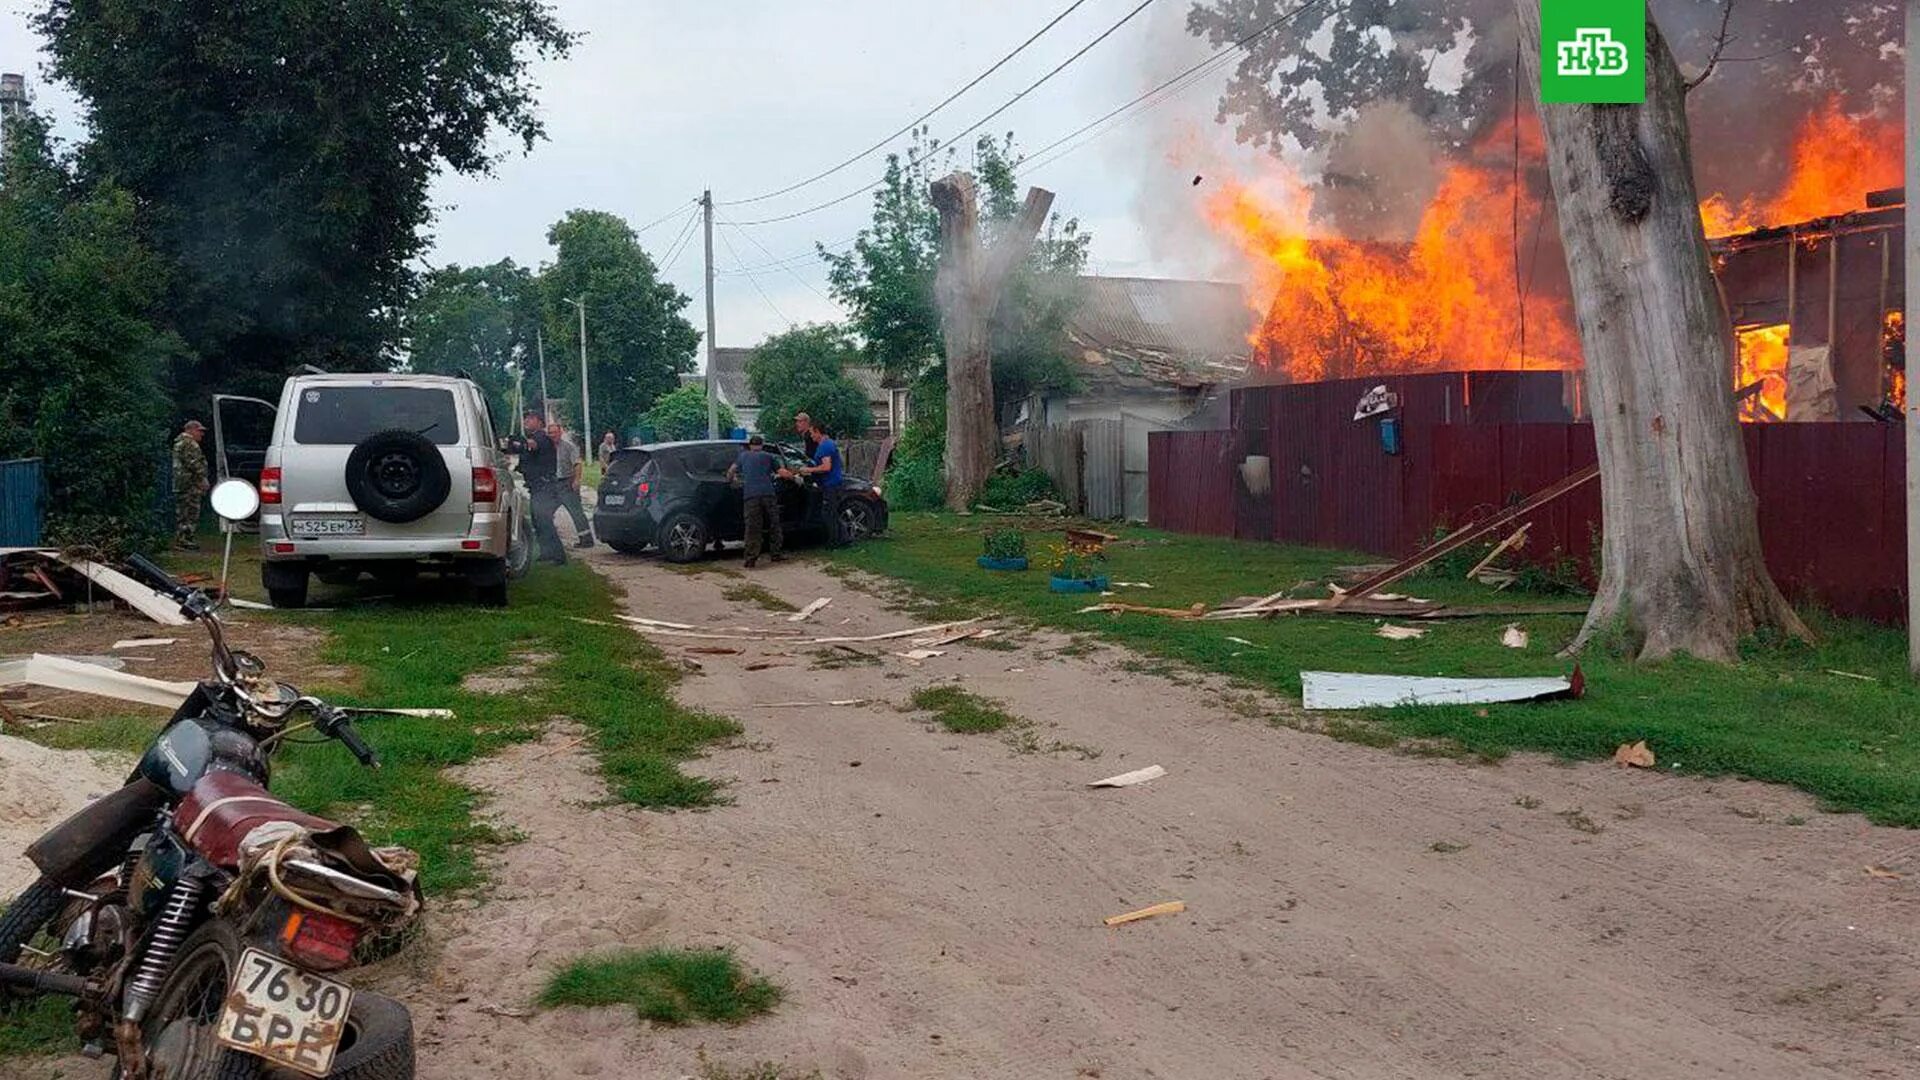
(197, 920)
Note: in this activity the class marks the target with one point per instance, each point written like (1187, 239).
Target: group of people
(757, 470)
(553, 469)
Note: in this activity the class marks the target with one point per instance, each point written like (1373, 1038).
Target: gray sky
(661, 99)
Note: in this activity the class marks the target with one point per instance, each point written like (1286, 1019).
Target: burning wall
(1475, 287)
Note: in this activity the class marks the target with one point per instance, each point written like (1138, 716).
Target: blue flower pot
(988, 562)
(1077, 585)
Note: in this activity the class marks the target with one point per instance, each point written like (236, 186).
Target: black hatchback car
(675, 497)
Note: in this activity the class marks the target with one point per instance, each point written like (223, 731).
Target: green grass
(42, 1026)
(666, 986)
(750, 593)
(960, 711)
(1778, 715)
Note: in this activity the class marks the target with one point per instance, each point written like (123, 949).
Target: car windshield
(344, 415)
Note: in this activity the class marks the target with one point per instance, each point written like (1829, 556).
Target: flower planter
(1078, 585)
(988, 562)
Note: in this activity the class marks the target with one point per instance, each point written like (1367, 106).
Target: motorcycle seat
(224, 807)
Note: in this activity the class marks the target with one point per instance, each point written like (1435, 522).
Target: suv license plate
(329, 526)
(288, 1016)
(613, 500)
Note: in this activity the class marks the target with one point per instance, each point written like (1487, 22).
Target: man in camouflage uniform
(189, 483)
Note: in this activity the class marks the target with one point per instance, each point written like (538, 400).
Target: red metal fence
(1831, 514)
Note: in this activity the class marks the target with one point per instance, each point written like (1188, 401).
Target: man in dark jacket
(757, 471)
(539, 464)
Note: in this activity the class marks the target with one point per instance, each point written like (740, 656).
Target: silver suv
(387, 474)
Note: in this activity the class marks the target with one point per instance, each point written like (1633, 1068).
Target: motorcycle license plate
(329, 526)
(288, 1016)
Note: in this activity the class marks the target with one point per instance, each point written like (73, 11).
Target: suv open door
(242, 430)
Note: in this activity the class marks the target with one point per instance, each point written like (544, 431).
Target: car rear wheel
(857, 521)
(683, 538)
(286, 584)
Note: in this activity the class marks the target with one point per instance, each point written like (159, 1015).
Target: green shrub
(1012, 490)
(682, 414)
(1004, 544)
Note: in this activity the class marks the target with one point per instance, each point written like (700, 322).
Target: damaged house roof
(1129, 333)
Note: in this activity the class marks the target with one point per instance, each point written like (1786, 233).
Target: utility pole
(1906, 304)
(713, 375)
(586, 410)
(540, 345)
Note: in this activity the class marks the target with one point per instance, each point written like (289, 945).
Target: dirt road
(932, 902)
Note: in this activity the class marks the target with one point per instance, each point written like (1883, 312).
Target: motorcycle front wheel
(22, 922)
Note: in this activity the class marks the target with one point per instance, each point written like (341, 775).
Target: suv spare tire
(397, 476)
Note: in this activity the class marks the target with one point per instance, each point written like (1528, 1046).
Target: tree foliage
(281, 152)
(479, 321)
(638, 343)
(682, 414)
(804, 371)
(886, 279)
(81, 353)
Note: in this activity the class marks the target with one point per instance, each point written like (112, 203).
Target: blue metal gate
(20, 521)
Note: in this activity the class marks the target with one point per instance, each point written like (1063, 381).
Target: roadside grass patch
(41, 1026)
(415, 651)
(747, 592)
(667, 986)
(960, 711)
(1779, 715)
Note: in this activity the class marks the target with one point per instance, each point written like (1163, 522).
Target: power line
(680, 242)
(1159, 95)
(663, 219)
(916, 121)
(755, 282)
(977, 124)
(789, 269)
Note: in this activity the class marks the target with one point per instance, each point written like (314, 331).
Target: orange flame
(1329, 307)
(1837, 159)
(1763, 359)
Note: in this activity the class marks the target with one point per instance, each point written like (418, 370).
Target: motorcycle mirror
(235, 500)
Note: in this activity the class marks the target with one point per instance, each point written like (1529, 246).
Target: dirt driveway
(932, 902)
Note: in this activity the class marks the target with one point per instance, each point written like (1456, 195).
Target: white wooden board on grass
(1347, 690)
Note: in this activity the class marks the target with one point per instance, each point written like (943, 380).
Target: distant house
(888, 404)
(1157, 349)
(1147, 354)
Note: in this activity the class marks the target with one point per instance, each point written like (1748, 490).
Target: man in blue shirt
(755, 470)
(828, 467)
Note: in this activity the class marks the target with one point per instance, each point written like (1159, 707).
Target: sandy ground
(932, 902)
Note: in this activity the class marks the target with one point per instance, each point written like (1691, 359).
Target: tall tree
(682, 414)
(1681, 566)
(282, 151)
(478, 321)
(969, 286)
(81, 351)
(803, 370)
(638, 343)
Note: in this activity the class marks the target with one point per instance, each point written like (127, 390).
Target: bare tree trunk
(967, 288)
(1681, 565)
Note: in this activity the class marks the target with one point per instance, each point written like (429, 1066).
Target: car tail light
(644, 488)
(283, 548)
(317, 941)
(270, 485)
(469, 545)
(486, 484)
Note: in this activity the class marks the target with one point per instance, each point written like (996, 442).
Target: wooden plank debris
(1400, 633)
(1171, 907)
(1118, 608)
(63, 673)
(1129, 779)
(144, 643)
(149, 602)
(917, 631)
(843, 703)
(921, 654)
(1514, 638)
(1462, 537)
(807, 612)
(1517, 540)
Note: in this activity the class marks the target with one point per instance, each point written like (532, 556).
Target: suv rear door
(706, 466)
(242, 431)
(329, 418)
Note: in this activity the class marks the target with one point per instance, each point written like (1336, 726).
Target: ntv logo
(1592, 52)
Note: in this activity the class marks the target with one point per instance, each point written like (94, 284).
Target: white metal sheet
(1345, 690)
